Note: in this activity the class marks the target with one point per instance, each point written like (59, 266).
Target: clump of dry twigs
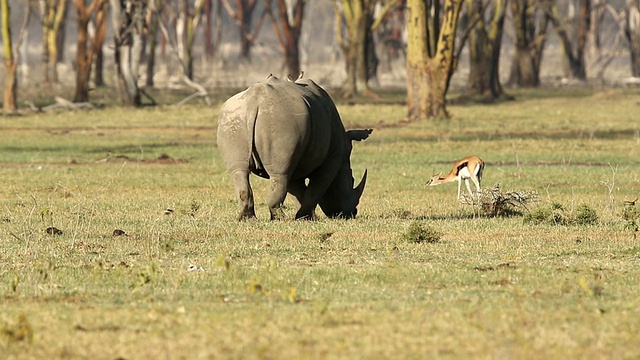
(494, 202)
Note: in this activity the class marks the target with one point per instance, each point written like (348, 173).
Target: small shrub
(418, 233)
(557, 214)
(586, 215)
(632, 216)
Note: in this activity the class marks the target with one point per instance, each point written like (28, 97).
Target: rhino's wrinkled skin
(291, 133)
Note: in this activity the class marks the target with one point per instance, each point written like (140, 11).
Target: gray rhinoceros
(290, 132)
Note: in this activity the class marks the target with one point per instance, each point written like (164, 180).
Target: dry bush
(495, 202)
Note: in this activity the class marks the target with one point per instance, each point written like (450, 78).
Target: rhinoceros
(291, 133)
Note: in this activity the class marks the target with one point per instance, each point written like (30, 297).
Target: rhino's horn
(360, 188)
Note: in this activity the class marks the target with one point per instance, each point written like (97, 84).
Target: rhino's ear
(359, 134)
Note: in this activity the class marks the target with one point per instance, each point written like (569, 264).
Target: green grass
(488, 288)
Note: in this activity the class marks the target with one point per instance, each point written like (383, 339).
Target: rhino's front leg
(297, 188)
(245, 194)
(277, 196)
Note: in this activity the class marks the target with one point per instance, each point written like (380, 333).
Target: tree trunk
(287, 27)
(242, 16)
(128, 20)
(593, 35)
(52, 47)
(101, 31)
(83, 66)
(371, 60)
(358, 47)
(61, 35)
(429, 64)
(45, 51)
(10, 81)
(484, 50)
(574, 58)
(632, 31)
(208, 38)
(364, 45)
(293, 60)
(530, 29)
(152, 41)
(53, 14)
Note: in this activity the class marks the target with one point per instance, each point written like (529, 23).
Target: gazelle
(469, 167)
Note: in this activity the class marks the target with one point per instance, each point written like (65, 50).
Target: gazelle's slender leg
(466, 182)
(477, 183)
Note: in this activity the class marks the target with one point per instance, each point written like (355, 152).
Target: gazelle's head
(434, 180)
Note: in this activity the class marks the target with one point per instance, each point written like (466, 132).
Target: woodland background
(203, 45)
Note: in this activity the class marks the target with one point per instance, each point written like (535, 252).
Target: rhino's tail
(254, 158)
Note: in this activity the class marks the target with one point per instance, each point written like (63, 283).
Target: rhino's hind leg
(245, 194)
(277, 196)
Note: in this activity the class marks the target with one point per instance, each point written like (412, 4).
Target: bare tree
(357, 43)
(200, 90)
(86, 48)
(152, 40)
(604, 32)
(288, 26)
(212, 17)
(632, 31)
(598, 10)
(389, 34)
(188, 20)
(574, 51)
(128, 23)
(242, 16)
(100, 31)
(485, 41)
(430, 56)
(53, 12)
(530, 27)
(11, 57)
(10, 79)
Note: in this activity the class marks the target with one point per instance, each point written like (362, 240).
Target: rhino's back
(280, 127)
(291, 135)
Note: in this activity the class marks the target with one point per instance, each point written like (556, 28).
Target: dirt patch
(163, 159)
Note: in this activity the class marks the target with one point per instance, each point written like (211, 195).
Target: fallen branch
(200, 92)
(66, 104)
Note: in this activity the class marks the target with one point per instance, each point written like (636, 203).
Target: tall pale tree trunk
(189, 21)
(10, 80)
(128, 21)
(632, 32)
(430, 56)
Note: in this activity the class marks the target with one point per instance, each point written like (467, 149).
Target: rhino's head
(341, 198)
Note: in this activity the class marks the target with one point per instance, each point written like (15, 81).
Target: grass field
(491, 287)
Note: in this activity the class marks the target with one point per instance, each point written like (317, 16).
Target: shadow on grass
(407, 215)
